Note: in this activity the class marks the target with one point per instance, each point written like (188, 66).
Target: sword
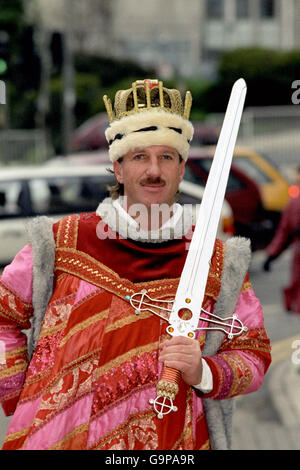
(185, 313)
(192, 284)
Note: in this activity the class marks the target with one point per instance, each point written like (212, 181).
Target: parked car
(274, 188)
(191, 193)
(58, 190)
(256, 191)
(242, 194)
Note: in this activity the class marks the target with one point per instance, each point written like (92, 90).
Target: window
(185, 198)
(215, 9)
(242, 9)
(251, 170)
(189, 175)
(203, 166)
(267, 8)
(67, 195)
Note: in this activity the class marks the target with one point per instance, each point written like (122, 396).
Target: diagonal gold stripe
(125, 357)
(16, 316)
(53, 329)
(86, 323)
(79, 429)
(119, 431)
(13, 370)
(16, 435)
(205, 446)
(127, 321)
(15, 352)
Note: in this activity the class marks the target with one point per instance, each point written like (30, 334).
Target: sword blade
(191, 288)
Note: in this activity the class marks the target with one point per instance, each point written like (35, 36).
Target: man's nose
(153, 168)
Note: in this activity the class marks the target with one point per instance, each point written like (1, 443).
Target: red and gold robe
(95, 366)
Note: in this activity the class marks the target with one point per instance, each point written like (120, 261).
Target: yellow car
(256, 191)
(273, 186)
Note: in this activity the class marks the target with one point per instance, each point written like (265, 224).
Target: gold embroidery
(16, 435)
(79, 429)
(61, 276)
(75, 262)
(126, 357)
(246, 341)
(241, 371)
(22, 366)
(147, 422)
(15, 352)
(67, 228)
(53, 381)
(36, 378)
(205, 446)
(187, 433)
(246, 286)
(86, 323)
(127, 321)
(52, 330)
(6, 290)
(14, 315)
(67, 231)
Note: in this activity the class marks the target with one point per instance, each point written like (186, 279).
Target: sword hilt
(167, 389)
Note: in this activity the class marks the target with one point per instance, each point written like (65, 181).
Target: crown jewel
(147, 95)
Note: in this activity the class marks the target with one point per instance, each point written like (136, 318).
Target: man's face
(150, 175)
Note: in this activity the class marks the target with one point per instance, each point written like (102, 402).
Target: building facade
(176, 36)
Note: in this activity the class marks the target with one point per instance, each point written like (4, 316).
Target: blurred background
(59, 58)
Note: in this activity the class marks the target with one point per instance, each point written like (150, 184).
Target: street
(259, 421)
(267, 287)
(269, 419)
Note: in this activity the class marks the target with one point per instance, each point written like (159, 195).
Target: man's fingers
(179, 340)
(190, 348)
(176, 357)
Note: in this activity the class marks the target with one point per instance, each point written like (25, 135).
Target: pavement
(269, 419)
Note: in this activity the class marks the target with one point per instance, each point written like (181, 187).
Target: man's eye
(138, 157)
(167, 157)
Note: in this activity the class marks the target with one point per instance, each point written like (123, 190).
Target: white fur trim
(163, 120)
(118, 220)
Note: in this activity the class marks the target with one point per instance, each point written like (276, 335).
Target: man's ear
(118, 170)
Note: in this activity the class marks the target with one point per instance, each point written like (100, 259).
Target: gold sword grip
(167, 389)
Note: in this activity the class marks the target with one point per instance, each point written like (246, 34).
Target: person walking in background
(288, 235)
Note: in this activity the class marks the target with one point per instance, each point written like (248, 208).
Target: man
(288, 235)
(97, 359)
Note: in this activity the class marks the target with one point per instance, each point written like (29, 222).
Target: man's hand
(183, 354)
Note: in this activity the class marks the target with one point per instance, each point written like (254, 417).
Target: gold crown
(147, 95)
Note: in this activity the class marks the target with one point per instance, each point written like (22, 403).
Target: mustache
(149, 181)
